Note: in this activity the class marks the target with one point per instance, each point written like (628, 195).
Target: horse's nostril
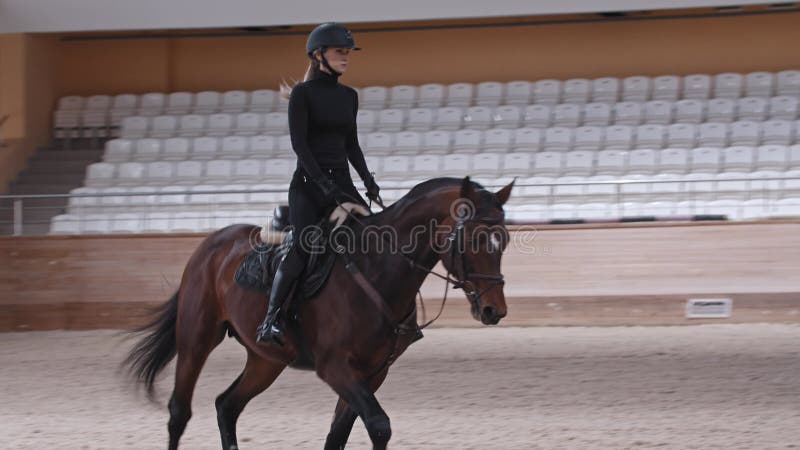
(489, 311)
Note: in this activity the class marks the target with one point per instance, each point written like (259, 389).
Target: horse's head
(473, 248)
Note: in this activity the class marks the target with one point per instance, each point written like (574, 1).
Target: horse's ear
(466, 187)
(503, 194)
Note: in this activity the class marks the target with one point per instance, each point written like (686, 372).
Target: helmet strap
(326, 64)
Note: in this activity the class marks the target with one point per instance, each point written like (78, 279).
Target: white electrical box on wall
(709, 308)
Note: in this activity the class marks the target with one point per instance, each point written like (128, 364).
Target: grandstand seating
(569, 142)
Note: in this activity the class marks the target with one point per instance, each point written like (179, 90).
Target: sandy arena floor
(711, 386)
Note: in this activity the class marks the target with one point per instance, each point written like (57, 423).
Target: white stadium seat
(255, 170)
(738, 158)
(711, 134)
(439, 142)
(276, 123)
(135, 127)
(262, 146)
(467, 141)
(147, 150)
(596, 114)
(456, 165)
(204, 148)
(175, 149)
(547, 92)
(420, 119)
(779, 132)
(697, 86)
(772, 157)
(390, 120)
(234, 102)
(636, 88)
(248, 124)
(263, 101)
(366, 120)
(163, 126)
(705, 159)
(409, 142)
(547, 163)
(567, 115)
(460, 94)
(489, 93)
(578, 162)
(722, 110)
(745, 133)
(130, 173)
(752, 108)
(589, 138)
(206, 102)
(152, 104)
(628, 113)
(159, 172)
(682, 135)
(728, 85)
(650, 136)
(192, 125)
(759, 84)
(576, 90)
(611, 162)
(558, 139)
(783, 107)
(605, 90)
(430, 95)
(476, 118)
(379, 144)
(497, 140)
(118, 150)
(658, 112)
(519, 92)
(538, 116)
(690, 111)
(673, 160)
(374, 97)
(619, 137)
(527, 140)
(179, 103)
(234, 147)
(788, 82)
(189, 172)
(666, 87)
(516, 164)
(642, 161)
(220, 124)
(508, 116)
(402, 96)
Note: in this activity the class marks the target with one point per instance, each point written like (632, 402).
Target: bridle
(462, 275)
(458, 262)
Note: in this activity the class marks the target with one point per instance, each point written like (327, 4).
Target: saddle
(257, 269)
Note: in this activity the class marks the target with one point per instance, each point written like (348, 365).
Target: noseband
(463, 276)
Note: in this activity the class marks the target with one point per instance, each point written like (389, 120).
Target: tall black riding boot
(285, 276)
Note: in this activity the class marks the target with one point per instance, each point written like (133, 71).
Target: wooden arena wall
(579, 275)
(564, 50)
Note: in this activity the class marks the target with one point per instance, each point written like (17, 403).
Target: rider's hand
(373, 191)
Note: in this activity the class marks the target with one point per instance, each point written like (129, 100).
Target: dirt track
(710, 386)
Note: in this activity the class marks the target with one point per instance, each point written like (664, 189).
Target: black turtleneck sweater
(322, 123)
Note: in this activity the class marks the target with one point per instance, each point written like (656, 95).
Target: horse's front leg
(357, 392)
(344, 416)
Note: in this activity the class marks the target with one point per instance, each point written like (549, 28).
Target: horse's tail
(155, 350)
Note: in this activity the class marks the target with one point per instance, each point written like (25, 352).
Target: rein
(456, 237)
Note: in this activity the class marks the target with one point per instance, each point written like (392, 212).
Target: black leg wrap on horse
(378, 428)
(288, 271)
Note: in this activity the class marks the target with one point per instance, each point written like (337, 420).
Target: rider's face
(338, 58)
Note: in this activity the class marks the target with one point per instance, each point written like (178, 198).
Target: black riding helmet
(329, 34)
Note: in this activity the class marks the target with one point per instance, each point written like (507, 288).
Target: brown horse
(341, 332)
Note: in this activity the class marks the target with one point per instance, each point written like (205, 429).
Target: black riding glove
(330, 190)
(373, 190)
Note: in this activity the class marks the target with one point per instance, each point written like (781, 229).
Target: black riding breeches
(307, 204)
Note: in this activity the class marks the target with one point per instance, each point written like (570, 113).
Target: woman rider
(322, 125)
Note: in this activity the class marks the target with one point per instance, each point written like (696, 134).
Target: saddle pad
(257, 269)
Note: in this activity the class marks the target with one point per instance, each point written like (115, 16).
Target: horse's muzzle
(490, 315)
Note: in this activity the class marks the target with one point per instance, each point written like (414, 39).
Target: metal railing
(14, 208)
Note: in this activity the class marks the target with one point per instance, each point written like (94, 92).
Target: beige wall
(679, 46)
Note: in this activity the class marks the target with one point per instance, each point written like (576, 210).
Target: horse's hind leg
(344, 417)
(193, 347)
(258, 375)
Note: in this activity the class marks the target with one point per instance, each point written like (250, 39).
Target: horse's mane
(420, 190)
